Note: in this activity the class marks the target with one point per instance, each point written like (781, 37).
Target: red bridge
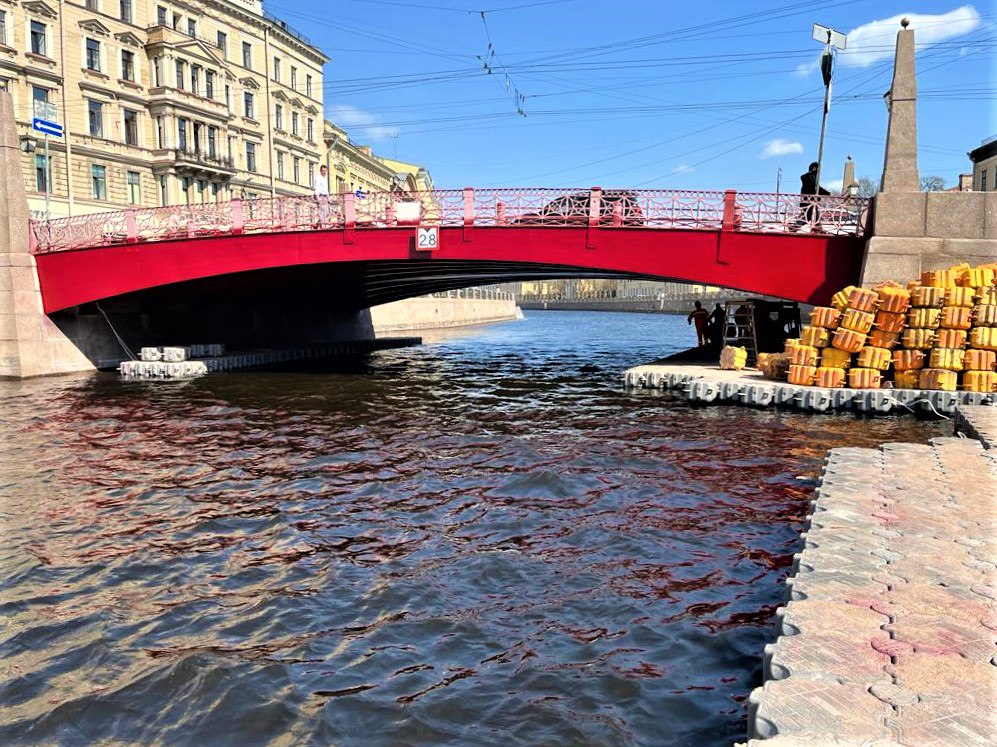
(363, 250)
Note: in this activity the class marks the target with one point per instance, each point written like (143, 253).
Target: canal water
(481, 541)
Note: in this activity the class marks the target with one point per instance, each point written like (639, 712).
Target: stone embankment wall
(437, 313)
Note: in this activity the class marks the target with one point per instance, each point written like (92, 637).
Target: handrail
(600, 209)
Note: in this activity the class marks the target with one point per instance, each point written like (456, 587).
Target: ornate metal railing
(686, 210)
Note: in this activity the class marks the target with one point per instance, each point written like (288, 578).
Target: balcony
(196, 161)
(160, 34)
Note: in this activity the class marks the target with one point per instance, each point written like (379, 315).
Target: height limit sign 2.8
(427, 239)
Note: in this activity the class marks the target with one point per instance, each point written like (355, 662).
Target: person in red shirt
(702, 317)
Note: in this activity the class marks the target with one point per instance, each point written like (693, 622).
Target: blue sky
(646, 92)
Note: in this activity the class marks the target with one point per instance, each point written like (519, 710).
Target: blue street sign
(360, 194)
(49, 128)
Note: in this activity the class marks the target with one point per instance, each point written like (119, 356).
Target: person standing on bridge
(811, 191)
(321, 189)
(701, 317)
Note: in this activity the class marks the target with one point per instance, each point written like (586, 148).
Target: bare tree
(932, 183)
(867, 187)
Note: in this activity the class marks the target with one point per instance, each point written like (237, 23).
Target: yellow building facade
(354, 167)
(163, 103)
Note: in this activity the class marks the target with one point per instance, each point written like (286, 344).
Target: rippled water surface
(483, 540)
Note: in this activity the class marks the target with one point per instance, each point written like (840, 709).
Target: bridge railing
(694, 210)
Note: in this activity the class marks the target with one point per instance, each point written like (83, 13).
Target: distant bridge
(362, 250)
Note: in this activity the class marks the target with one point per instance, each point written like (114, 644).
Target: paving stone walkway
(890, 632)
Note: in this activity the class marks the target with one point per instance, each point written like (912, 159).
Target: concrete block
(974, 251)
(900, 214)
(955, 215)
(25, 301)
(817, 712)
(16, 260)
(889, 259)
(990, 215)
(8, 327)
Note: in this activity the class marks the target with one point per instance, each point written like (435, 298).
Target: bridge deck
(618, 209)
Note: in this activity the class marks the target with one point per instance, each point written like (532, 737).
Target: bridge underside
(360, 268)
(308, 288)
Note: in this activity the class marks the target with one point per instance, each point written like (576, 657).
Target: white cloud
(381, 132)
(348, 116)
(682, 168)
(780, 147)
(805, 68)
(875, 41)
(366, 123)
(833, 185)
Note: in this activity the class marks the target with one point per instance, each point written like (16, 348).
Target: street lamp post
(832, 39)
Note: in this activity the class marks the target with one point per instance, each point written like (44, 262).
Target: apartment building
(353, 167)
(163, 103)
(984, 161)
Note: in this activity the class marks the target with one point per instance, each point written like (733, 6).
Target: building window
(278, 116)
(160, 132)
(131, 127)
(214, 191)
(251, 157)
(99, 180)
(297, 170)
(213, 141)
(247, 55)
(185, 188)
(195, 79)
(196, 130)
(93, 55)
(38, 38)
(191, 27)
(223, 44)
(228, 97)
(202, 188)
(209, 84)
(182, 133)
(125, 10)
(176, 21)
(3, 27)
(308, 85)
(161, 15)
(983, 180)
(181, 66)
(311, 130)
(127, 65)
(294, 77)
(280, 165)
(39, 94)
(92, 5)
(95, 118)
(294, 123)
(247, 100)
(276, 69)
(134, 181)
(311, 173)
(41, 173)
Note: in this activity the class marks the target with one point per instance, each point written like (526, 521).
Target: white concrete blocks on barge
(711, 385)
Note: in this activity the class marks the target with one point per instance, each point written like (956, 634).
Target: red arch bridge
(362, 250)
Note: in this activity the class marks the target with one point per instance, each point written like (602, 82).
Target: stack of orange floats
(922, 330)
